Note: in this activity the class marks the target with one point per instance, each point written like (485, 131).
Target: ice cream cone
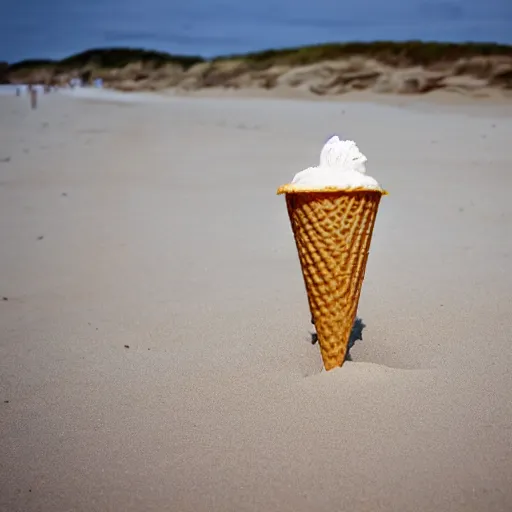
(332, 230)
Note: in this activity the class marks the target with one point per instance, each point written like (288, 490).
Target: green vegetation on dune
(32, 64)
(108, 58)
(120, 57)
(405, 53)
(3, 72)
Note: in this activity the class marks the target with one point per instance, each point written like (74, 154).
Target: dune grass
(107, 58)
(407, 53)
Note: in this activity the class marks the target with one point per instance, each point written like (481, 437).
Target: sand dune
(470, 70)
(154, 341)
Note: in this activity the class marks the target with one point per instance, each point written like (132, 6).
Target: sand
(155, 340)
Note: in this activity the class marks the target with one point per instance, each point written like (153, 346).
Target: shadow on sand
(356, 334)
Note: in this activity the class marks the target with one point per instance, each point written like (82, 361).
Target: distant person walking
(33, 96)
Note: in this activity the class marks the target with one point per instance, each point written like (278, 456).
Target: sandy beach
(155, 346)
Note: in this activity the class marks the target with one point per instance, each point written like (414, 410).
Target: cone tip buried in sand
(342, 167)
(332, 210)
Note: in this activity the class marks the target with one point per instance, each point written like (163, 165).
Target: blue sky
(57, 28)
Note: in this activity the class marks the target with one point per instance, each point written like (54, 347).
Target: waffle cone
(333, 232)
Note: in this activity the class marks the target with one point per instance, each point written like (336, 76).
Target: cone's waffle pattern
(333, 232)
